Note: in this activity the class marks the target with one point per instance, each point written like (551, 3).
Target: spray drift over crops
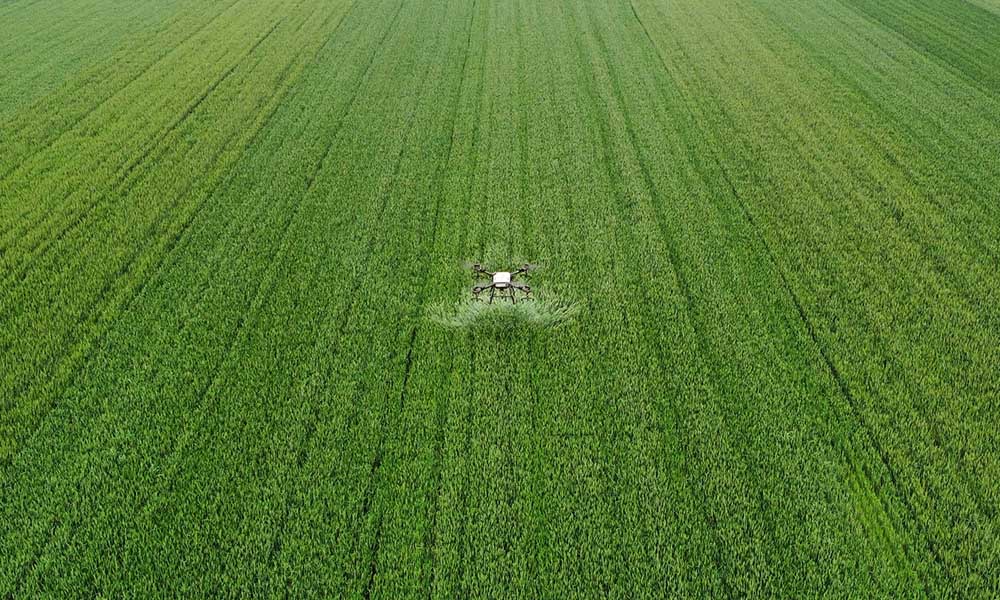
(541, 312)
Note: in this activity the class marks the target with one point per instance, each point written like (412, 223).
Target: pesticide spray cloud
(541, 313)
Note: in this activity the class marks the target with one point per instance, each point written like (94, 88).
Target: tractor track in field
(275, 546)
(310, 181)
(89, 352)
(951, 280)
(683, 288)
(43, 145)
(802, 316)
(945, 273)
(122, 176)
(476, 136)
(932, 426)
(88, 314)
(268, 281)
(124, 181)
(266, 284)
(961, 60)
(830, 365)
(373, 476)
(221, 351)
(845, 392)
(310, 428)
(909, 133)
(224, 181)
(817, 343)
(691, 473)
(430, 537)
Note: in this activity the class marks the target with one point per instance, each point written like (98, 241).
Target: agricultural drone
(501, 284)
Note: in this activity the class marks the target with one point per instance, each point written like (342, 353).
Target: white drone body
(502, 284)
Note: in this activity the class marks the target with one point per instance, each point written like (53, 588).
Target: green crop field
(238, 350)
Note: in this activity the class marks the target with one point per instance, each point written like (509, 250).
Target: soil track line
(683, 288)
(41, 146)
(831, 368)
(430, 538)
(123, 182)
(88, 312)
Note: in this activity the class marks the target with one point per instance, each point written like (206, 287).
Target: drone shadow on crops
(502, 316)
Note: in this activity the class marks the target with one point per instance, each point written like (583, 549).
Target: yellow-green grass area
(238, 354)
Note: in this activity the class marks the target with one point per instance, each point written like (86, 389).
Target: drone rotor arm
(477, 269)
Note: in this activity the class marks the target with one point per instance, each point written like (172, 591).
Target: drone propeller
(475, 267)
(527, 268)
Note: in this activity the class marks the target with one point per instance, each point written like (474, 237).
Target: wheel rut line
(932, 427)
(224, 180)
(341, 329)
(311, 427)
(430, 538)
(911, 135)
(309, 186)
(373, 566)
(948, 276)
(686, 294)
(464, 237)
(124, 182)
(373, 476)
(14, 275)
(842, 386)
(923, 48)
(831, 368)
(921, 530)
(58, 135)
(177, 198)
(422, 294)
(272, 280)
(943, 273)
(302, 455)
(310, 180)
(234, 338)
(264, 288)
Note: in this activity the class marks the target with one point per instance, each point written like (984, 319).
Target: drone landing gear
(500, 295)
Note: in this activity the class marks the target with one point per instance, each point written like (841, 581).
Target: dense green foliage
(235, 356)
